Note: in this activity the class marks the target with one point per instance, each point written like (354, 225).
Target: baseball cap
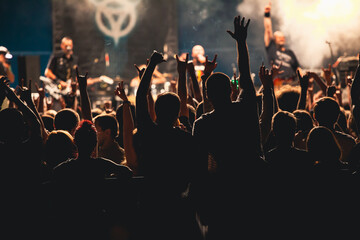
(6, 52)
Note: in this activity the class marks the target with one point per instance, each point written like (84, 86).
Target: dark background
(35, 28)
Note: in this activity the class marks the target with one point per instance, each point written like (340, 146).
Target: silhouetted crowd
(214, 158)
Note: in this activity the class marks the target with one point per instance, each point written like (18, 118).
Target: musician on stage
(61, 68)
(278, 54)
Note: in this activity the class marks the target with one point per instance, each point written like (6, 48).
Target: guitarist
(61, 66)
(279, 55)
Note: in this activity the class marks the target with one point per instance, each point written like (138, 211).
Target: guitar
(55, 91)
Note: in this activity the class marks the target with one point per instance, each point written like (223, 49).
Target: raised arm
(319, 82)
(182, 87)
(195, 88)
(25, 95)
(84, 96)
(142, 113)
(240, 34)
(304, 84)
(209, 68)
(267, 102)
(151, 103)
(32, 118)
(268, 34)
(128, 128)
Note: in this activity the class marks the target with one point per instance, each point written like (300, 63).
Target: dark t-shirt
(287, 58)
(231, 136)
(90, 169)
(63, 67)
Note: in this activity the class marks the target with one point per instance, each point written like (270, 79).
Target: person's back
(168, 161)
(304, 123)
(285, 158)
(79, 186)
(229, 135)
(326, 113)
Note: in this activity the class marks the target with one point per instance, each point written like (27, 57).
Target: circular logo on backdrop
(115, 18)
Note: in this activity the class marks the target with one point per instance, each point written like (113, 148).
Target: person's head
(283, 126)
(48, 122)
(12, 125)
(66, 119)
(107, 128)
(167, 108)
(322, 145)
(85, 138)
(67, 45)
(119, 115)
(59, 147)
(279, 38)
(304, 121)
(326, 112)
(287, 97)
(198, 54)
(218, 89)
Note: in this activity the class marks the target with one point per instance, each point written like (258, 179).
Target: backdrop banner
(110, 36)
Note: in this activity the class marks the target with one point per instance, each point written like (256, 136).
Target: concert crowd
(212, 158)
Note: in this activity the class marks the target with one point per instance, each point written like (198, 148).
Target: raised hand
(25, 92)
(40, 90)
(210, 65)
(327, 74)
(157, 58)
(304, 80)
(240, 29)
(182, 65)
(120, 92)
(81, 79)
(266, 77)
(140, 71)
(268, 8)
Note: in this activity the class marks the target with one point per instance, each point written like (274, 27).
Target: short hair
(218, 87)
(167, 107)
(48, 122)
(283, 126)
(66, 119)
(287, 97)
(54, 154)
(326, 111)
(107, 121)
(85, 137)
(66, 38)
(321, 142)
(304, 121)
